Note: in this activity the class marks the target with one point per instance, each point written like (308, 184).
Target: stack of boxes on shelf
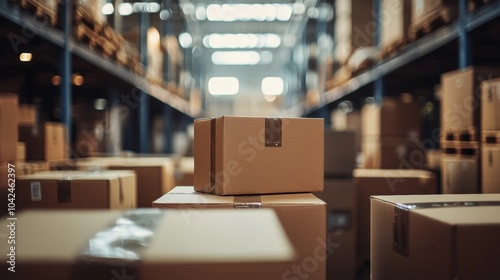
(250, 162)
(460, 129)
(8, 142)
(490, 136)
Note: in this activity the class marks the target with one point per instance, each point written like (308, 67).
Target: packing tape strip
(424, 205)
(247, 201)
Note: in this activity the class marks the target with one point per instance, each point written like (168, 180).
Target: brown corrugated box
(396, 18)
(435, 237)
(340, 153)
(21, 151)
(302, 216)
(421, 9)
(4, 187)
(460, 174)
(348, 121)
(385, 182)
(490, 105)
(44, 141)
(460, 105)
(77, 189)
(31, 167)
(257, 155)
(490, 168)
(27, 114)
(394, 118)
(8, 127)
(155, 176)
(392, 153)
(184, 172)
(341, 219)
(152, 245)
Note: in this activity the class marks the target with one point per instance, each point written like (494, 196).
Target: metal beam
(143, 122)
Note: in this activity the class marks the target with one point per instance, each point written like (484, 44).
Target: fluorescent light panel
(251, 12)
(223, 86)
(241, 57)
(241, 40)
(272, 86)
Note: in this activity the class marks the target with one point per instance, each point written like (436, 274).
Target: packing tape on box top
(247, 201)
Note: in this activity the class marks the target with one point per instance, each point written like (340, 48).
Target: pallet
(83, 16)
(391, 49)
(468, 134)
(466, 148)
(491, 136)
(46, 9)
(95, 41)
(430, 22)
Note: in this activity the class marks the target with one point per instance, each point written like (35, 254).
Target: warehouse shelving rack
(63, 39)
(373, 81)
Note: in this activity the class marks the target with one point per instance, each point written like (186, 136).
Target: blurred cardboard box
(490, 168)
(490, 105)
(425, 9)
(21, 151)
(8, 127)
(27, 114)
(44, 141)
(150, 245)
(385, 182)
(435, 237)
(392, 153)
(77, 190)
(31, 167)
(396, 18)
(253, 155)
(302, 217)
(340, 153)
(341, 219)
(460, 174)
(348, 121)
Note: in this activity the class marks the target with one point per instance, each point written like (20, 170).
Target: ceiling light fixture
(249, 12)
(223, 86)
(25, 57)
(236, 58)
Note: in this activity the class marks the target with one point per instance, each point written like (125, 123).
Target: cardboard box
(348, 121)
(155, 176)
(27, 114)
(341, 219)
(21, 151)
(4, 185)
(353, 23)
(184, 172)
(422, 9)
(394, 118)
(385, 182)
(31, 167)
(490, 168)
(460, 174)
(490, 105)
(392, 153)
(45, 141)
(436, 237)
(302, 217)
(396, 18)
(460, 107)
(252, 155)
(8, 127)
(77, 190)
(340, 153)
(151, 245)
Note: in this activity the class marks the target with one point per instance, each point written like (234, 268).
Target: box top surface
(197, 236)
(78, 175)
(392, 173)
(255, 117)
(126, 162)
(187, 195)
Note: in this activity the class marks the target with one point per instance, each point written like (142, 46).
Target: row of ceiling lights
(270, 86)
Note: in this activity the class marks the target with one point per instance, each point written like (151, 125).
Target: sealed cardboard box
(77, 189)
(21, 151)
(340, 153)
(385, 182)
(31, 167)
(302, 216)
(460, 106)
(4, 185)
(8, 126)
(253, 155)
(184, 172)
(490, 168)
(396, 18)
(155, 176)
(341, 213)
(393, 118)
(27, 114)
(490, 105)
(152, 244)
(44, 141)
(460, 174)
(435, 237)
(429, 9)
(392, 153)
(348, 121)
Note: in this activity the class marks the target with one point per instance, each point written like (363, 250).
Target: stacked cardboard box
(490, 136)
(8, 142)
(391, 135)
(44, 141)
(396, 17)
(147, 244)
(350, 121)
(451, 236)
(460, 127)
(426, 12)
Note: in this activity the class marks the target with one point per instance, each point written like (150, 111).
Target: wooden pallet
(491, 136)
(46, 9)
(468, 134)
(431, 22)
(392, 48)
(466, 148)
(96, 42)
(85, 17)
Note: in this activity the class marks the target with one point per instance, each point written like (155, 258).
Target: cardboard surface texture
(27, 114)
(302, 217)
(8, 127)
(44, 141)
(77, 190)
(252, 245)
(392, 153)
(253, 155)
(435, 237)
(460, 174)
(341, 213)
(490, 105)
(21, 151)
(385, 182)
(340, 153)
(490, 168)
(396, 17)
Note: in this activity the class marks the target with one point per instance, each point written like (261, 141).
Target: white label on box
(36, 191)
